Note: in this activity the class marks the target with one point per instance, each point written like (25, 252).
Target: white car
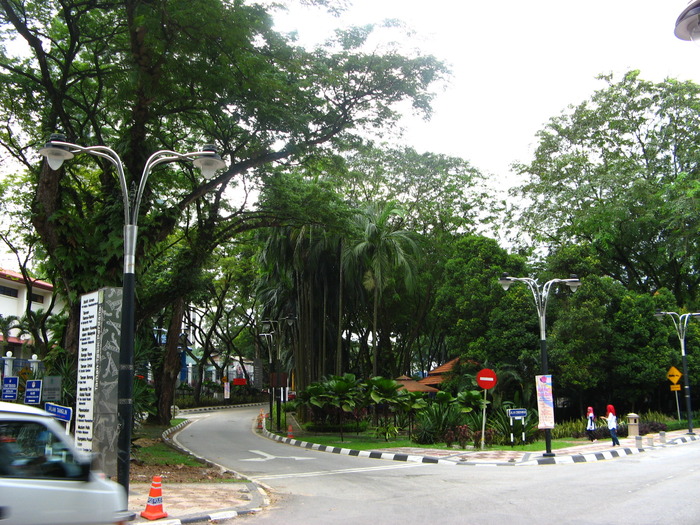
(44, 480)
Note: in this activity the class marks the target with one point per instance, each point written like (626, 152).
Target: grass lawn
(365, 441)
(150, 449)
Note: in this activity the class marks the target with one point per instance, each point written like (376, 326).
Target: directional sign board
(486, 379)
(517, 413)
(674, 375)
(59, 412)
(10, 386)
(32, 392)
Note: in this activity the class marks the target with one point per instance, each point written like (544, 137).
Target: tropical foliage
(383, 259)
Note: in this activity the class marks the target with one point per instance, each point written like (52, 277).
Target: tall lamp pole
(277, 324)
(541, 296)
(681, 324)
(269, 338)
(56, 151)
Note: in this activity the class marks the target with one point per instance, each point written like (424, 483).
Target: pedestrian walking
(612, 424)
(590, 424)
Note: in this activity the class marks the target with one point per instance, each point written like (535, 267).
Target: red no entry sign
(486, 379)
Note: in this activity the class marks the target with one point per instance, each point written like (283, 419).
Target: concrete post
(632, 425)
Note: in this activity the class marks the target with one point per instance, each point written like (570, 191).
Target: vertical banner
(545, 401)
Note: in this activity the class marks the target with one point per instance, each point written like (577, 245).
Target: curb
(373, 454)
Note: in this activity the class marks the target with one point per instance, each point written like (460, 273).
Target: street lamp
(681, 324)
(269, 337)
(267, 326)
(56, 151)
(541, 295)
(688, 23)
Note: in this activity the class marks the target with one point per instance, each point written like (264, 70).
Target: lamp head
(209, 161)
(659, 314)
(574, 282)
(55, 153)
(505, 281)
(688, 23)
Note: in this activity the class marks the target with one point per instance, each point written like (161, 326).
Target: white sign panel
(87, 353)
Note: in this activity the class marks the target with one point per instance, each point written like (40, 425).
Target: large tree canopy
(619, 172)
(141, 76)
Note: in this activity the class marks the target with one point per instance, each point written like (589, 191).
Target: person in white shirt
(590, 424)
(612, 425)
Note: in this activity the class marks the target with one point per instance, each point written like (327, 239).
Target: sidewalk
(195, 502)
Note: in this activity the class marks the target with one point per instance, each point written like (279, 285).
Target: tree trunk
(170, 364)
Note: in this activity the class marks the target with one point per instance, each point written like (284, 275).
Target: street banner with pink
(545, 401)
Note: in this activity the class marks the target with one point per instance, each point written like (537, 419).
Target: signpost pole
(483, 421)
(674, 375)
(486, 379)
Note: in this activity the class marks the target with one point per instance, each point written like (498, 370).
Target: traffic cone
(290, 433)
(154, 507)
(261, 418)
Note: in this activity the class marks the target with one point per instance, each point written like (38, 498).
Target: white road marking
(268, 457)
(340, 471)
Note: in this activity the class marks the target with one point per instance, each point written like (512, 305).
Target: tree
(143, 76)
(381, 248)
(619, 173)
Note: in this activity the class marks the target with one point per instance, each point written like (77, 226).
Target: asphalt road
(315, 488)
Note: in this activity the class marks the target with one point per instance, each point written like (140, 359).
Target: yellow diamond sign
(674, 375)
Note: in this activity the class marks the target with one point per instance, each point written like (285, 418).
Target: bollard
(650, 441)
(638, 441)
(632, 425)
(662, 437)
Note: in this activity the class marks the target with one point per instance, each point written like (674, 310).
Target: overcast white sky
(516, 64)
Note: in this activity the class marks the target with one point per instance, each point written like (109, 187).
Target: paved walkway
(221, 502)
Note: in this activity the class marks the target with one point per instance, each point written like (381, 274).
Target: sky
(516, 64)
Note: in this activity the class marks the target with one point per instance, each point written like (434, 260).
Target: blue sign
(10, 386)
(32, 392)
(59, 412)
(517, 413)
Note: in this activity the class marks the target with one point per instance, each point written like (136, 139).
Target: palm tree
(380, 249)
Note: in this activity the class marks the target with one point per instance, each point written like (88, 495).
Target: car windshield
(30, 450)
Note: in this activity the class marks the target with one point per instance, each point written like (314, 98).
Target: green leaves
(618, 173)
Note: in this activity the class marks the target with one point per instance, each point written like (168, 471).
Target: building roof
(10, 275)
(438, 375)
(413, 386)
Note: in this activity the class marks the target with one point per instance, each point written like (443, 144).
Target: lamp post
(688, 23)
(269, 337)
(56, 151)
(541, 296)
(681, 324)
(278, 325)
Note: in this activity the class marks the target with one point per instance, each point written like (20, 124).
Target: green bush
(434, 421)
(331, 427)
(500, 423)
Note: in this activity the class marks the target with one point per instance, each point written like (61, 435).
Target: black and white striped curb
(525, 461)
(374, 454)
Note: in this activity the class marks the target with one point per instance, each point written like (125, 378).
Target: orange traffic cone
(290, 433)
(154, 507)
